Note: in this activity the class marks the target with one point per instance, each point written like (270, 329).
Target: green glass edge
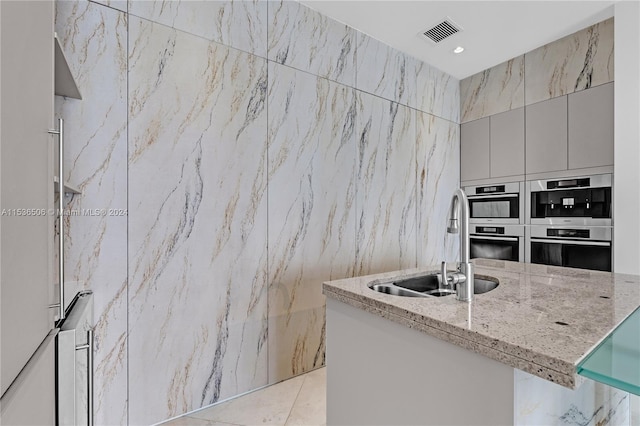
(605, 378)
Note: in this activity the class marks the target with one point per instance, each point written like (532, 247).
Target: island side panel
(380, 373)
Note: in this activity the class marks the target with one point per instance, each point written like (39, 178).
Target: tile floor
(297, 401)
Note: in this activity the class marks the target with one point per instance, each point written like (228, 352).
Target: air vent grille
(444, 29)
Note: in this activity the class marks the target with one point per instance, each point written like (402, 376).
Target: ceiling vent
(444, 29)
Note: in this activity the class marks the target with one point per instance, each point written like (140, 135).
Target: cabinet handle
(60, 134)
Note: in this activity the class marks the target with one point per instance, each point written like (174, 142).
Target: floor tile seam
(296, 398)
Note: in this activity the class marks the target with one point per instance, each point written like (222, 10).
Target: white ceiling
(493, 31)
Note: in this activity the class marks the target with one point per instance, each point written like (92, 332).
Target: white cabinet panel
(474, 150)
(26, 225)
(546, 136)
(591, 127)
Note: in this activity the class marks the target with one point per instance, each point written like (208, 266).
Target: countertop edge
(566, 379)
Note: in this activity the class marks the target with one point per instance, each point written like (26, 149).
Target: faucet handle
(443, 273)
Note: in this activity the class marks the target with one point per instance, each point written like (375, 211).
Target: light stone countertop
(520, 323)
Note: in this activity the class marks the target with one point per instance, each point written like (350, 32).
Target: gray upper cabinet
(546, 136)
(507, 143)
(26, 173)
(474, 150)
(591, 127)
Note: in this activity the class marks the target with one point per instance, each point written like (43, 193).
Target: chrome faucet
(458, 219)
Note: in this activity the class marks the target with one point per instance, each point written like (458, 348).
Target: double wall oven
(497, 215)
(571, 222)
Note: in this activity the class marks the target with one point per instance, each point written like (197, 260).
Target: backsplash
(573, 63)
(257, 156)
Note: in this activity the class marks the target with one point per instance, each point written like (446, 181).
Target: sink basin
(429, 286)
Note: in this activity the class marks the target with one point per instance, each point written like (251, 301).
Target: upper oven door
(500, 203)
(582, 201)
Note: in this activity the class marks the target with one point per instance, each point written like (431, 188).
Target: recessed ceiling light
(458, 49)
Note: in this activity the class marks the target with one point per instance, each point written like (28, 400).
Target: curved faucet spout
(458, 222)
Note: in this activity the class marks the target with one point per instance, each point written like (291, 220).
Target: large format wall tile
(497, 89)
(303, 38)
(115, 4)
(438, 154)
(239, 24)
(197, 222)
(94, 40)
(438, 93)
(386, 186)
(576, 62)
(312, 159)
(384, 71)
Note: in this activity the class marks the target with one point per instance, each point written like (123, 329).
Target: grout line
(296, 398)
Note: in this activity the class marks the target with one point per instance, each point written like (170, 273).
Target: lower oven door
(595, 255)
(503, 248)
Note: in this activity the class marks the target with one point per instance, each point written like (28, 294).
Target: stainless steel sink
(429, 286)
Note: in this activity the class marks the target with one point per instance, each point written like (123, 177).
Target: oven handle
(574, 242)
(488, 237)
(480, 196)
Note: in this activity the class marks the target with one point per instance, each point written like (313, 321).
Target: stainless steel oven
(499, 203)
(504, 242)
(586, 247)
(582, 200)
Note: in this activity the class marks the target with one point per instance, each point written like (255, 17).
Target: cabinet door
(507, 143)
(546, 135)
(474, 150)
(31, 399)
(591, 127)
(26, 195)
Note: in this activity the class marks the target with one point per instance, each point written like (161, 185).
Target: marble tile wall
(312, 161)
(197, 222)
(497, 89)
(238, 24)
(253, 169)
(386, 191)
(94, 39)
(576, 62)
(306, 40)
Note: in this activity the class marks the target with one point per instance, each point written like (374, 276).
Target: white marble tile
(193, 421)
(115, 4)
(239, 24)
(386, 186)
(540, 402)
(384, 71)
(310, 407)
(94, 40)
(497, 89)
(437, 92)
(197, 222)
(268, 406)
(438, 153)
(307, 40)
(576, 62)
(297, 341)
(312, 158)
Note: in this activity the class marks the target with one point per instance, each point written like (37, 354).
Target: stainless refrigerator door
(30, 400)
(75, 369)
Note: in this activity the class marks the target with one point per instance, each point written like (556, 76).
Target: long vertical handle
(60, 134)
(89, 348)
(61, 214)
(90, 376)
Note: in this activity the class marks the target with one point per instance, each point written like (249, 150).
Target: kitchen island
(508, 357)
